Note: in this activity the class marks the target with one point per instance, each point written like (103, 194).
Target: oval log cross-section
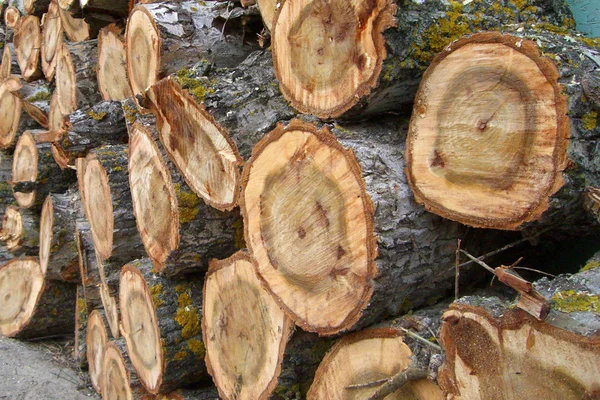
(66, 93)
(244, 330)
(112, 73)
(25, 167)
(153, 196)
(28, 41)
(353, 364)
(202, 150)
(328, 54)
(51, 40)
(489, 132)
(115, 377)
(10, 116)
(309, 226)
(96, 340)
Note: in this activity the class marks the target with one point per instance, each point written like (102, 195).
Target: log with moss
(35, 170)
(20, 231)
(112, 72)
(505, 147)
(163, 37)
(309, 202)
(104, 186)
(331, 57)
(179, 231)
(33, 307)
(244, 330)
(160, 321)
(59, 257)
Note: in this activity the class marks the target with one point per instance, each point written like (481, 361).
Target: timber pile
(178, 200)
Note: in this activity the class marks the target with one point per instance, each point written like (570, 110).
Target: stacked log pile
(191, 207)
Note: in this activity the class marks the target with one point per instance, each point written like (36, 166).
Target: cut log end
(484, 356)
(111, 310)
(154, 200)
(267, 11)
(51, 40)
(12, 228)
(5, 67)
(28, 41)
(142, 45)
(244, 330)
(10, 115)
(327, 55)
(359, 364)
(112, 73)
(12, 17)
(25, 167)
(96, 340)
(308, 225)
(488, 135)
(140, 328)
(197, 144)
(97, 201)
(115, 378)
(21, 284)
(76, 29)
(46, 224)
(66, 94)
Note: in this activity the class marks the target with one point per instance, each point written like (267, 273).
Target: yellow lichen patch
(197, 347)
(96, 116)
(590, 120)
(155, 292)
(590, 265)
(440, 34)
(238, 237)
(42, 95)
(188, 204)
(571, 301)
(130, 113)
(180, 355)
(187, 316)
(196, 86)
(182, 287)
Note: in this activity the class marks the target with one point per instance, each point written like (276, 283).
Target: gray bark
(85, 61)
(81, 320)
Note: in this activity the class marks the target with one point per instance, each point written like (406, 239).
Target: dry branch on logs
(20, 231)
(200, 148)
(359, 364)
(162, 38)
(33, 307)
(104, 187)
(160, 321)
(52, 39)
(115, 376)
(28, 41)
(112, 72)
(179, 231)
(33, 162)
(244, 330)
(96, 341)
(59, 257)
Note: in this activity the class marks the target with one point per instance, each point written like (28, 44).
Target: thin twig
(535, 270)
(456, 270)
(368, 384)
(420, 339)
(478, 261)
(399, 380)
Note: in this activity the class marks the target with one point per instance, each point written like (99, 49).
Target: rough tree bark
(162, 38)
(179, 231)
(244, 330)
(32, 306)
(81, 327)
(160, 320)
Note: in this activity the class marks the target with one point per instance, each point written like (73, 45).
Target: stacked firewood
(193, 207)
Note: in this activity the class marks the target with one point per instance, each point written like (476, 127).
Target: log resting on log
(104, 184)
(52, 38)
(162, 38)
(36, 7)
(373, 355)
(112, 72)
(20, 231)
(160, 321)
(59, 257)
(179, 231)
(115, 376)
(244, 330)
(33, 162)
(28, 41)
(96, 340)
(416, 249)
(201, 149)
(32, 307)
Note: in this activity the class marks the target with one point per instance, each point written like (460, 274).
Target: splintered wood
(309, 226)
(488, 135)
